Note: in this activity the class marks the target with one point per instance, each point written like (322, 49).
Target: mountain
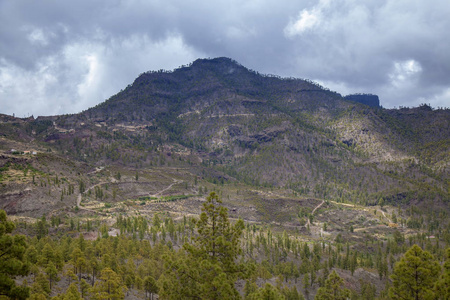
(225, 124)
(327, 187)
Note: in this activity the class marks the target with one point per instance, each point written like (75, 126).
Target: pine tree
(72, 293)
(333, 289)
(48, 255)
(207, 268)
(414, 275)
(368, 291)
(41, 227)
(12, 261)
(353, 263)
(150, 286)
(84, 287)
(249, 288)
(52, 273)
(268, 292)
(306, 282)
(41, 285)
(109, 286)
(443, 286)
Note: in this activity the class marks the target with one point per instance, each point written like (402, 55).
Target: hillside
(227, 124)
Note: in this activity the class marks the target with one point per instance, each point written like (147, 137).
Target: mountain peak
(216, 60)
(219, 64)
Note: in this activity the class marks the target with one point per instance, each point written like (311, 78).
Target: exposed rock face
(367, 99)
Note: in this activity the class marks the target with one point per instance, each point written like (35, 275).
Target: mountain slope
(226, 124)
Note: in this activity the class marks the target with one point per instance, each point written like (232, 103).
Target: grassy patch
(174, 198)
(146, 198)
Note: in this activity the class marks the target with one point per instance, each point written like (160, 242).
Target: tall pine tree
(207, 267)
(415, 275)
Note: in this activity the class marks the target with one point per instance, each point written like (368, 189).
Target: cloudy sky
(66, 56)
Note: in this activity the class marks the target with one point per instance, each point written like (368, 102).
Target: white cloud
(84, 73)
(69, 56)
(90, 80)
(37, 37)
(441, 100)
(22, 91)
(405, 73)
(306, 20)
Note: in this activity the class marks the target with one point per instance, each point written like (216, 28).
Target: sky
(59, 57)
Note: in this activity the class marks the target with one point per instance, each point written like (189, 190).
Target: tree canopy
(12, 250)
(333, 289)
(415, 275)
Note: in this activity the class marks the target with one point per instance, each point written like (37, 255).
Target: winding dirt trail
(384, 215)
(343, 204)
(314, 210)
(90, 188)
(363, 208)
(175, 181)
(80, 195)
(317, 207)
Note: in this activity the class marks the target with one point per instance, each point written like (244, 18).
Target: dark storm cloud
(62, 57)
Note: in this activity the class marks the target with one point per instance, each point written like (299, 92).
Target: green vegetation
(12, 262)
(175, 198)
(207, 267)
(204, 258)
(415, 276)
(333, 289)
